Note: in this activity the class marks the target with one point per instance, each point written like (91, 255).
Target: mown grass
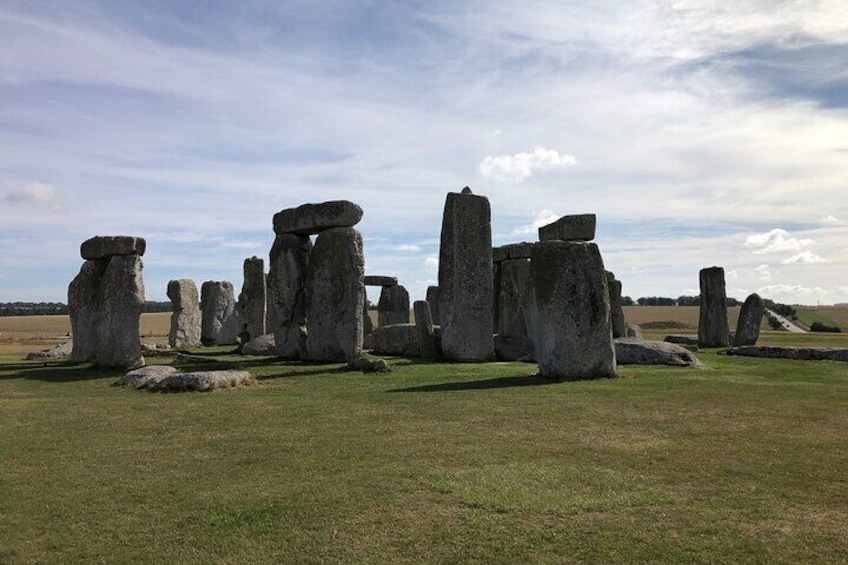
(433, 462)
(828, 317)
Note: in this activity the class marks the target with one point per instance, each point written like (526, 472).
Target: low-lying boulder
(144, 376)
(682, 339)
(262, 345)
(61, 351)
(630, 351)
(796, 353)
(368, 366)
(164, 378)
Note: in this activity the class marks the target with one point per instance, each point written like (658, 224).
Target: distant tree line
(58, 308)
(679, 301)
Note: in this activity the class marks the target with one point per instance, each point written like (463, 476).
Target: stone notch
(580, 227)
(713, 328)
(309, 219)
(380, 280)
(102, 246)
(511, 251)
(750, 319)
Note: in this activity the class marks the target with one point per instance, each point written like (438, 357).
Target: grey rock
(630, 351)
(201, 381)
(310, 219)
(433, 300)
(104, 302)
(400, 339)
(186, 318)
(465, 279)
(262, 345)
(368, 366)
(681, 339)
(466, 190)
(579, 227)
(619, 324)
(393, 306)
(571, 330)
(426, 330)
(380, 280)
(633, 331)
(514, 348)
(367, 323)
(713, 328)
(220, 323)
(253, 300)
(334, 296)
(61, 351)
(289, 258)
(145, 376)
(511, 251)
(102, 246)
(796, 353)
(750, 320)
(514, 298)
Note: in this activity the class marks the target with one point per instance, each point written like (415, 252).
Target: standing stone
(619, 324)
(253, 299)
(465, 278)
(433, 300)
(105, 301)
(220, 322)
(750, 320)
(334, 296)
(186, 318)
(514, 298)
(286, 295)
(367, 324)
(580, 227)
(496, 295)
(426, 331)
(393, 307)
(713, 329)
(572, 329)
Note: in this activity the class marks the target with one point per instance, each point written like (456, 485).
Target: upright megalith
(393, 306)
(750, 320)
(433, 301)
(105, 301)
(572, 332)
(286, 295)
(334, 296)
(426, 331)
(512, 289)
(465, 278)
(579, 227)
(713, 329)
(619, 324)
(220, 319)
(253, 300)
(186, 318)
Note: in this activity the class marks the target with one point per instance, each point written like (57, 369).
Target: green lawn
(809, 317)
(745, 463)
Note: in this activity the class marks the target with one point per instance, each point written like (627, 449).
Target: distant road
(787, 325)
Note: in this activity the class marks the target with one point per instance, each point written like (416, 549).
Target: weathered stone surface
(220, 322)
(465, 279)
(511, 251)
(286, 295)
(426, 330)
(633, 331)
(144, 376)
(514, 301)
(579, 227)
(399, 339)
(514, 348)
(571, 329)
(186, 318)
(368, 366)
(201, 381)
(682, 339)
(630, 351)
(104, 301)
(61, 351)
(713, 328)
(262, 345)
(797, 353)
(310, 219)
(380, 280)
(102, 246)
(253, 300)
(393, 306)
(367, 323)
(750, 320)
(433, 300)
(619, 324)
(334, 296)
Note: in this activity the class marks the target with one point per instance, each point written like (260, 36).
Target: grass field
(827, 315)
(445, 463)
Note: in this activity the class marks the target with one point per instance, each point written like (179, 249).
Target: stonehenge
(393, 307)
(426, 331)
(579, 227)
(186, 318)
(105, 300)
(220, 319)
(750, 319)
(286, 277)
(253, 299)
(432, 298)
(713, 328)
(619, 324)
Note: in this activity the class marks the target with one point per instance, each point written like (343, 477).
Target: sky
(701, 133)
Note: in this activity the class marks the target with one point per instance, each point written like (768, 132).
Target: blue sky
(701, 133)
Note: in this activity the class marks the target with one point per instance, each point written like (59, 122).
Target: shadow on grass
(56, 372)
(498, 382)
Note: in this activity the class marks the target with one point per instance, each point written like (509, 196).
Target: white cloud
(732, 275)
(776, 240)
(408, 247)
(431, 262)
(795, 293)
(521, 166)
(542, 218)
(829, 219)
(763, 272)
(35, 193)
(805, 258)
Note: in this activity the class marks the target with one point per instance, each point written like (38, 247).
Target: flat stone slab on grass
(309, 219)
(578, 227)
(101, 246)
(682, 339)
(380, 280)
(164, 378)
(262, 345)
(61, 351)
(140, 378)
(797, 353)
(631, 351)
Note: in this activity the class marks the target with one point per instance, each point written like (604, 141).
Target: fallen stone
(186, 319)
(310, 219)
(426, 330)
(145, 376)
(580, 227)
(681, 339)
(393, 306)
(368, 366)
(511, 251)
(630, 351)
(102, 246)
(286, 295)
(380, 280)
(156, 348)
(399, 339)
(796, 353)
(750, 321)
(713, 328)
(201, 381)
(61, 351)
(262, 345)
(514, 348)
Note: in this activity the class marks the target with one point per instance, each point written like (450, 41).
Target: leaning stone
(186, 318)
(433, 300)
(61, 351)
(218, 307)
(253, 300)
(380, 280)
(286, 295)
(619, 324)
(102, 246)
(201, 381)
(750, 321)
(630, 351)
(713, 328)
(334, 296)
(426, 331)
(145, 376)
(400, 339)
(465, 279)
(514, 348)
(580, 227)
(514, 301)
(511, 251)
(262, 345)
(572, 331)
(393, 306)
(310, 219)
